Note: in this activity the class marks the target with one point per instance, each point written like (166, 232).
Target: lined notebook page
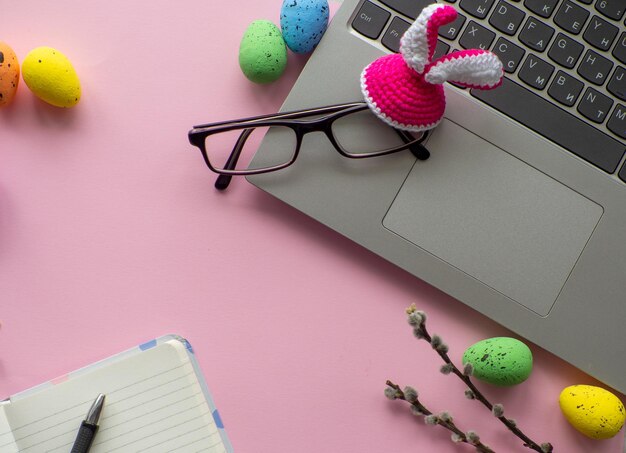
(6, 436)
(154, 403)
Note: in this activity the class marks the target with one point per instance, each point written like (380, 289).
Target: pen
(88, 427)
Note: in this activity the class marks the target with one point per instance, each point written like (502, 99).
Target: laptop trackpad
(493, 217)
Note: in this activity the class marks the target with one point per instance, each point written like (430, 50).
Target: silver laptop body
(524, 230)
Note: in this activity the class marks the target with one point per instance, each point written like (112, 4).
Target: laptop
(520, 211)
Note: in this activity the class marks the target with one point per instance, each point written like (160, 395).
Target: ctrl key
(370, 20)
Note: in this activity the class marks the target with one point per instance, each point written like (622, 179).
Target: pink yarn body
(390, 84)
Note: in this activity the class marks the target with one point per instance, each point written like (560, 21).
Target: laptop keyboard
(564, 61)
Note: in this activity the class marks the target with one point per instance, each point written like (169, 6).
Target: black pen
(88, 427)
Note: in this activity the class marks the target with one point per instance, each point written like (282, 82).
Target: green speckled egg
(262, 52)
(500, 361)
(593, 411)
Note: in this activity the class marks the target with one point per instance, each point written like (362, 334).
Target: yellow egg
(51, 77)
(593, 411)
(9, 74)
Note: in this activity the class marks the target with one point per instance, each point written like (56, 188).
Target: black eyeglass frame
(293, 120)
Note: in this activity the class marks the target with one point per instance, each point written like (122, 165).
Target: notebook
(519, 212)
(156, 401)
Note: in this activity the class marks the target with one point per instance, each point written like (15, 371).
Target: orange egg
(9, 74)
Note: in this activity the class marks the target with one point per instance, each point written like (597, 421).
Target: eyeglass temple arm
(417, 149)
(288, 115)
(222, 181)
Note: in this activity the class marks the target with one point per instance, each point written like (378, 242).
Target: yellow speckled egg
(51, 77)
(9, 74)
(593, 411)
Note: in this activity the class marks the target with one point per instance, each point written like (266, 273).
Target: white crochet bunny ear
(418, 43)
(473, 68)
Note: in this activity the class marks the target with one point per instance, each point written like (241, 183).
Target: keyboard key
(554, 123)
(509, 53)
(613, 9)
(565, 51)
(543, 8)
(536, 72)
(571, 17)
(617, 84)
(507, 18)
(410, 8)
(477, 8)
(595, 68)
(476, 37)
(617, 125)
(622, 173)
(600, 33)
(391, 38)
(370, 20)
(586, 2)
(536, 34)
(565, 88)
(450, 31)
(594, 105)
(440, 50)
(619, 51)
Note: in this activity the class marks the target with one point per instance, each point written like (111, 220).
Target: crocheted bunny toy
(405, 90)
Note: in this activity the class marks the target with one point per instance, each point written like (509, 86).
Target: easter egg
(593, 411)
(51, 77)
(262, 52)
(9, 74)
(303, 23)
(500, 361)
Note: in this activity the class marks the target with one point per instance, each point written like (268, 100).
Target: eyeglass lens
(219, 148)
(362, 133)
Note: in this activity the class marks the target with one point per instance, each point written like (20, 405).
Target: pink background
(111, 234)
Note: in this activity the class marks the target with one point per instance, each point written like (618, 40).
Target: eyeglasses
(228, 147)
